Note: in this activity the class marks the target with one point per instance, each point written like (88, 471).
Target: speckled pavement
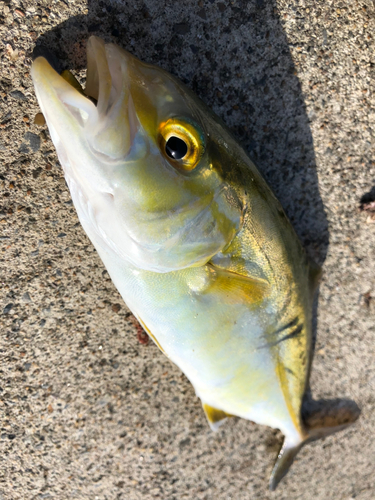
(87, 411)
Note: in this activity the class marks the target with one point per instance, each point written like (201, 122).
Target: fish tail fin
(284, 460)
(320, 423)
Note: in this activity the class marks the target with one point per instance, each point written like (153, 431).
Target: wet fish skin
(201, 252)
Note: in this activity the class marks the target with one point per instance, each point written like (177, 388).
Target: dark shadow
(237, 60)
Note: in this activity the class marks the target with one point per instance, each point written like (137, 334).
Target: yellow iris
(174, 130)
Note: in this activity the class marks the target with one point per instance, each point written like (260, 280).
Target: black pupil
(176, 148)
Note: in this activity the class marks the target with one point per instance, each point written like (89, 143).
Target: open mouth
(105, 108)
(101, 72)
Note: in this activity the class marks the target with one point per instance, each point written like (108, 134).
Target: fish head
(143, 159)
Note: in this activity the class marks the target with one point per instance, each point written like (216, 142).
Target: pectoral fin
(214, 416)
(235, 288)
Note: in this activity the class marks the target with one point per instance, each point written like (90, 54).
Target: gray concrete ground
(88, 412)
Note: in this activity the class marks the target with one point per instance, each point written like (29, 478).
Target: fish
(193, 238)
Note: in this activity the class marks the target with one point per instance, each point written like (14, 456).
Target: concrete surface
(87, 411)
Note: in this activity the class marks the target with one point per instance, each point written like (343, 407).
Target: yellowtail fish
(191, 235)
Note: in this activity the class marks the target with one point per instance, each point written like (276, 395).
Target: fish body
(193, 238)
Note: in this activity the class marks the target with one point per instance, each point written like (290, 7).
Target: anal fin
(214, 416)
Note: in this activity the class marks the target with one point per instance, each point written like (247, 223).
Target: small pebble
(116, 308)
(26, 297)
(17, 94)
(7, 308)
(39, 119)
(33, 141)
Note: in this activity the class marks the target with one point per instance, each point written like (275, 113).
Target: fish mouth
(104, 111)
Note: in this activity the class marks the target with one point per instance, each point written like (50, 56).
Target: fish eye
(176, 148)
(181, 142)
